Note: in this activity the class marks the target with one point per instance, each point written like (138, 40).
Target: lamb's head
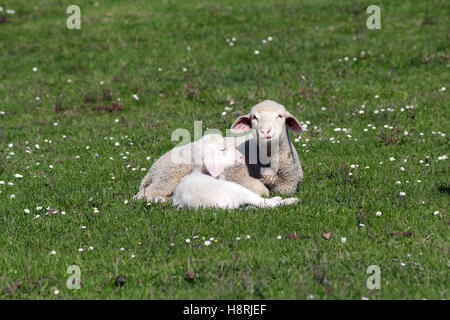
(269, 119)
(213, 155)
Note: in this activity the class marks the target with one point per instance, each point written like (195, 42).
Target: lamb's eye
(224, 149)
(280, 116)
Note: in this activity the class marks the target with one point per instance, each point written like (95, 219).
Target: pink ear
(212, 162)
(292, 123)
(242, 124)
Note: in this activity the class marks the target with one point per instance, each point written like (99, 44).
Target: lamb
(166, 173)
(278, 170)
(206, 187)
(272, 159)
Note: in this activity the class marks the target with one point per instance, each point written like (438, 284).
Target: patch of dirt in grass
(24, 285)
(391, 137)
(120, 281)
(401, 234)
(109, 107)
(4, 20)
(427, 21)
(291, 236)
(94, 97)
(113, 107)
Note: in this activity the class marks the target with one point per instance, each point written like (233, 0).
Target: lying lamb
(206, 187)
(278, 170)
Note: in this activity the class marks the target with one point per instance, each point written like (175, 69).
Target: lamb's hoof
(289, 201)
(139, 195)
(159, 199)
(156, 200)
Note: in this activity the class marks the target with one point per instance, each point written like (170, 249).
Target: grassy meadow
(84, 114)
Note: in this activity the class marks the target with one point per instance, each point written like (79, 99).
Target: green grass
(303, 68)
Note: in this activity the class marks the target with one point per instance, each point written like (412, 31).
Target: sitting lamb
(271, 160)
(206, 187)
(270, 157)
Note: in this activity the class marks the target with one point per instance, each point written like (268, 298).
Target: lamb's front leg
(268, 177)
(284, 176)
(281, 182)
(240, 175)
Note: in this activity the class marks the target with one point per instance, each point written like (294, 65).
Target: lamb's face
(269, 120)
(217, 155)
(268, 124)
